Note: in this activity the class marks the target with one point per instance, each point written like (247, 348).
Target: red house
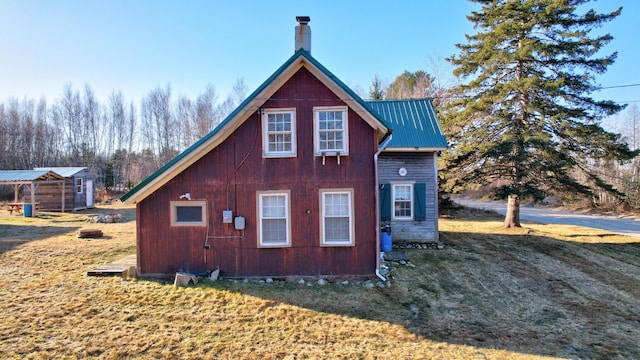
(286, 185)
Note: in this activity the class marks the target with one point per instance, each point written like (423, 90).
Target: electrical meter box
(239, 223)
(227, 216)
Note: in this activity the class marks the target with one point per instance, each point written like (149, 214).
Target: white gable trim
(254, 105)
(353, 104)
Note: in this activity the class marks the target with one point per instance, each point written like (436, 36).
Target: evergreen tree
(376, 90)
(525, 120)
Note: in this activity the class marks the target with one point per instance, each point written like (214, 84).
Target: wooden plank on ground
(125, 267)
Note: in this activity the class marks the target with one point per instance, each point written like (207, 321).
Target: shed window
(79, 186)
(274, 225)
(337, 217)
(279, 132)
(331, 130)
(189, 213)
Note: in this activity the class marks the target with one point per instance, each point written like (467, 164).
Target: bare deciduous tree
(160, 133)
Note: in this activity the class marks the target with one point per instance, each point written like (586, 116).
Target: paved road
(626, 226)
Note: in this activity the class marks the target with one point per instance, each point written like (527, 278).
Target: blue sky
(134, 46)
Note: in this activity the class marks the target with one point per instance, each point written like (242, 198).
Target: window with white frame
(279, 132)
(79, 186)
(189, 213)
(336, 223)
(274, 219)
(402, 195)
(331, 130)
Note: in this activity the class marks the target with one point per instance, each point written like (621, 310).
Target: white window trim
(316, 131)
(174, 213)
(393, 201)
(287, 195)
(79, 186)
(265, 134)
(351, 217)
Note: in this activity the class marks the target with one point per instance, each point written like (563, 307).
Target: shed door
(89, 188)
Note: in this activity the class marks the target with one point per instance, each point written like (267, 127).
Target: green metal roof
(25, 176)
(301, 53)
(414, 122)
(344, 87)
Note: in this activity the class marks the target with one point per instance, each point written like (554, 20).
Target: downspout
(377, 192)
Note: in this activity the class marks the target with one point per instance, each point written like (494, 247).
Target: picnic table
(17, 207)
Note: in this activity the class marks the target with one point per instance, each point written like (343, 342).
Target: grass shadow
(12, 235)
(126, 215)
(526, 293)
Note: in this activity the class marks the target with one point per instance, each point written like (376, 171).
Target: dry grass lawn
(555, 292)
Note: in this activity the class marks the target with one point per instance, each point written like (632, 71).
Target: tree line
(519, 116)
(120, 141)
(124, 145)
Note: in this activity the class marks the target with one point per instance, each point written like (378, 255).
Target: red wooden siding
(229, 178)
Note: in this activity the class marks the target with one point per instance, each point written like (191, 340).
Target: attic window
(279, 132)
(331, 135)
(189, 213)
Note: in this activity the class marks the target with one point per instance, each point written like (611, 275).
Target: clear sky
(134, 46)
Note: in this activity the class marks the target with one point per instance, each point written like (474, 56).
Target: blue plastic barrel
(27, 210)
(385, 241)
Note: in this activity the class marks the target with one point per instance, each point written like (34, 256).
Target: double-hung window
(402, 195)
(336, 223)
(279, 132)
(274, 219)
(330, 130)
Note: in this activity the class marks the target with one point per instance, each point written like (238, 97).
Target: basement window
(189, 213)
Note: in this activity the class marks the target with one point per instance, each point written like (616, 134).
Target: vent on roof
(303, 33)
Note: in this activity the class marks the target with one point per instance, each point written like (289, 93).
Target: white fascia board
(350, 101)
(220, 136)
(414, 149)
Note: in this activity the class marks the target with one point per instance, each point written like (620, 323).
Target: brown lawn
(555, 292)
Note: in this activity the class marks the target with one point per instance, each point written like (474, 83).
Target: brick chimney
(303, 33)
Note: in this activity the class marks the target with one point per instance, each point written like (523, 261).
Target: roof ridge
(311, 63)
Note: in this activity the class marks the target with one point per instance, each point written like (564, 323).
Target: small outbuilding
(79, 191)
(408, 169)
(32, 181)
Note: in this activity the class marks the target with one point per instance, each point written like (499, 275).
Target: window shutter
(385, 202)
(419, 201)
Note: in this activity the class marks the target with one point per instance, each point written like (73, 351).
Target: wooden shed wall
(421, 167)
(50, 195)
(230, 176)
